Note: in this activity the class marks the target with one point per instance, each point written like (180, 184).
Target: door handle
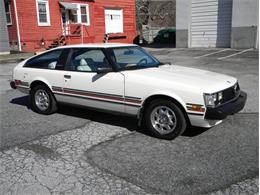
(67, 76)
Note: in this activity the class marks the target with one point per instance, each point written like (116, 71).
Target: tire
(164, 119)
(41, 91)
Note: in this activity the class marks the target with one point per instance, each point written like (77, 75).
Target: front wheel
(164, 119)
(42, 100)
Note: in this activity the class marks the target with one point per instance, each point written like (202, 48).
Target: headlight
(211, 100)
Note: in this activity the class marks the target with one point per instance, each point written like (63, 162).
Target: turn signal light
(197, 108)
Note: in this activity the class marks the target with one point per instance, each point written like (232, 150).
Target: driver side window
(87, 60)
(126, 56)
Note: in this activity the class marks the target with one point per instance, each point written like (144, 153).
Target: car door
(84, 86)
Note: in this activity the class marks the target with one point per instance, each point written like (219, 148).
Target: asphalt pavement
(77, 151)
(190, 164)
(20, 124)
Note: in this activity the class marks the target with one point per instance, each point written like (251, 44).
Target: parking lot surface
(191, 164)
(84, 152)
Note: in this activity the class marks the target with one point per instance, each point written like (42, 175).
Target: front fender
(165, 93)
(159, 93)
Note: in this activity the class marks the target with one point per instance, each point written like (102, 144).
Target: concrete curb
(14, 58)
(10, 61)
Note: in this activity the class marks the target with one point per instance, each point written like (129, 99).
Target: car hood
(203, 80)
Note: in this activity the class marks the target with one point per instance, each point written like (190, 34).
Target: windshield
(133, 58)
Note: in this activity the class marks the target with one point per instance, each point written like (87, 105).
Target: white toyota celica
(124, 78)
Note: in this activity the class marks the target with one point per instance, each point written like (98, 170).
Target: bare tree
(155, 13)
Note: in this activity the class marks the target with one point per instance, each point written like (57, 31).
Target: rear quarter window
(47, 60)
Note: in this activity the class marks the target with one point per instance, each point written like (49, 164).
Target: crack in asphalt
(88, 158)
(103, 150)
(29, 168)
(248, 186)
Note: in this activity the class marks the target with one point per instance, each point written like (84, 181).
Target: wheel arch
(153, 97)
(52, 107)
(40, 82)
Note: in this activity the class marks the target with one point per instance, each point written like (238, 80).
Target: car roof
(98, 45)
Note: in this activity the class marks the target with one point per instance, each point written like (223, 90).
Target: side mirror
(104, 70)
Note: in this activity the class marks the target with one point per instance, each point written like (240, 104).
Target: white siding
(211, 23)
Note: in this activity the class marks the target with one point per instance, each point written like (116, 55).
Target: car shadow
(123, 121)
(22, 101)
(194, 131)
(129, 123)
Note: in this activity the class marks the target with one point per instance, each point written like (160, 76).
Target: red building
(35, 25)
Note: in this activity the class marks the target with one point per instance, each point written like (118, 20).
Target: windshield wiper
(136, 66)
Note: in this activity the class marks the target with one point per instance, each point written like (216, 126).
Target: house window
(43, 13)
(81, 15)
(8, 13)
(84, 15)
(114, 21)
(73, 16)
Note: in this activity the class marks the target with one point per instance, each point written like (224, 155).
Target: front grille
(230, 93)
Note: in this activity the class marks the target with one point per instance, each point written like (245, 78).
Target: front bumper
(221, 112)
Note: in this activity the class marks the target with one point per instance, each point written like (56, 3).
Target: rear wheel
(164, 119)
(42, 100)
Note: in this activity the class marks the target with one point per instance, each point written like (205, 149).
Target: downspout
(17, 26)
